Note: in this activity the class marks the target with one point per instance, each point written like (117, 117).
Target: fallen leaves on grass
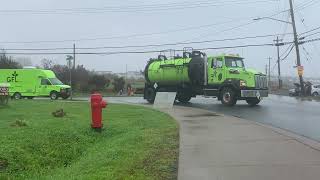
(59, 113)
(19, 123)
(3, 163)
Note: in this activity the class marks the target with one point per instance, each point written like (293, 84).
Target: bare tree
(47, 63)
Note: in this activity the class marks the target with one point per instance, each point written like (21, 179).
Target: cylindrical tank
(175, 71)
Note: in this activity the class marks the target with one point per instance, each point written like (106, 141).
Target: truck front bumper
(65, 93)
(254, 93)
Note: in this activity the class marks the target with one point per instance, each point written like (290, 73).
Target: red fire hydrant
(96, 109)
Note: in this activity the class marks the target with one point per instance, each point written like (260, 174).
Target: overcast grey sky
(49, 22)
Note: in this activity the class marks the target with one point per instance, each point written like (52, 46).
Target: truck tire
(228, 96)
(150, 95)
(54, 95)
(17, 95)
(253, 101)
(315, 94)
(183, 98)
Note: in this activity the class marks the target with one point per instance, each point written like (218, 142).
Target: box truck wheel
(17, 95)
(54, 95)
(228, 96)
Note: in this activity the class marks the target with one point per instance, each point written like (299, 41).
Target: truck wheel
(150, 95)
(183, 98)
(54, 95)
(253, 101)
(315, 94)
(17, 95)
(228, 97)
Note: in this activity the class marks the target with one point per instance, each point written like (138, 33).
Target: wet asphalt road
(299, 116)
(296, 115)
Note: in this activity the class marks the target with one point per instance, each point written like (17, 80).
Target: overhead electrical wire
(285, 51)
(307, 4)
(120, 37)
(149, 45)
(314, 29)
(282, 59)
(144, 34)
(138, 52)
(137, 8)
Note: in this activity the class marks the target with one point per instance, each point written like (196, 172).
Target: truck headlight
(243, 83)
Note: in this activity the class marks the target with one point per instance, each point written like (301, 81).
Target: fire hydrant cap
(103, 104)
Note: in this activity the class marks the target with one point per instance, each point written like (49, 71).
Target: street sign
(300, 70)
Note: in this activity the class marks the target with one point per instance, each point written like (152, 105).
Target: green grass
(136, 143)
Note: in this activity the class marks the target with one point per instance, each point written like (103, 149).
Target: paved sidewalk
(219, 147)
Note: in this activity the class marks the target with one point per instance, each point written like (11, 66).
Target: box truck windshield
(55, 81)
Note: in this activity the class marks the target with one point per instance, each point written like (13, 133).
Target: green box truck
(224, 77)
(30, 83)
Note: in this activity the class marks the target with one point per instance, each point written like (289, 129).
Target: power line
(310, 30)
(144, 34)
(138, 8)
(150, 45)
(282, 59)
(302, 42)
(306, 53)
(312, 34)
(307, 4)
(119, 37)
(137, 52)
(285, 51)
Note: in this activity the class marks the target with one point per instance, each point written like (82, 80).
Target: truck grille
(261, 82)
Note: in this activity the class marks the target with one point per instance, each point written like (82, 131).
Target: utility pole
(296, 43)
(74, 67)
(74, 56)
(126, 72)
(69, 60)
(266, 70)
(269, 72)
(278, 61)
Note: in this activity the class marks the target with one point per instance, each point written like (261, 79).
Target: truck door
(216, 72)
(43, 88)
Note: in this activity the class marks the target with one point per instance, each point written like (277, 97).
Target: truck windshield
(234, 62)
(55, 81)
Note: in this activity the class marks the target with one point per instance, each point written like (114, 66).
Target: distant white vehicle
(315, 90)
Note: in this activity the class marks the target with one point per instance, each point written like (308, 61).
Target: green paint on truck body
(169, 72)
(33, 82)
(172, 72)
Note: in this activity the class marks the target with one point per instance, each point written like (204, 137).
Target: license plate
(254, 93)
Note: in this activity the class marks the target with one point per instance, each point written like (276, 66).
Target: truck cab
(229, 80)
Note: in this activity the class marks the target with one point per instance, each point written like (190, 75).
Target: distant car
(315, 90)
(295, 91)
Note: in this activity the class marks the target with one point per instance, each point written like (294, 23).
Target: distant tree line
(7, 62)
(82, 79)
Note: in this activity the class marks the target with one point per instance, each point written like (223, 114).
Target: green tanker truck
(224, 77)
